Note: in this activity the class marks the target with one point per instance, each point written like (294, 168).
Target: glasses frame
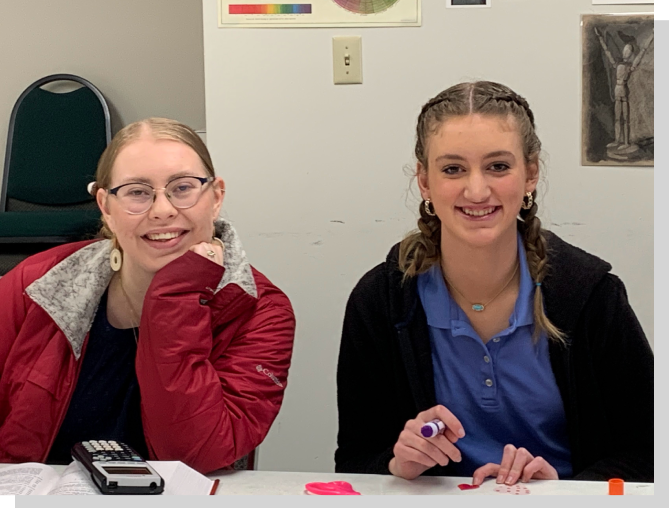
(203, 180)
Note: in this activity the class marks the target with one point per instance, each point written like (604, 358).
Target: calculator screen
(125, 470)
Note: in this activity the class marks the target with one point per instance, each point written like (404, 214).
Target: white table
(284, 483)
(292, 483)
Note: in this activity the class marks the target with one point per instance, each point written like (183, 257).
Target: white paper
(181, 480)
(27, 479)
(74, 481)
(320, 13)
(33, 478)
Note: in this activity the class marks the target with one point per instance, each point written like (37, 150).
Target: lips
(164, 239)
(478, 213)
(163, 236)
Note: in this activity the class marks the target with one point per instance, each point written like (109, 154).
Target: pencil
(214, 487)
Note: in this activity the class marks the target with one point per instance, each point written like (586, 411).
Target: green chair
(53, 146)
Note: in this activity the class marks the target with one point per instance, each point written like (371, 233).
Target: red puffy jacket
(214, 350)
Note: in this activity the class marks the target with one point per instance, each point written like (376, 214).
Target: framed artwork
(618, 93)
(468, 3)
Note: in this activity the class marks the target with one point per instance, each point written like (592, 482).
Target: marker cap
(616, 487)
(431, 429)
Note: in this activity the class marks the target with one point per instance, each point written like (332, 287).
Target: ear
(532, 175)
(101, 197)
(423, 183)
(219, 193)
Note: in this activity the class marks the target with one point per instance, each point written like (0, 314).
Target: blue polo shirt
(504, 391)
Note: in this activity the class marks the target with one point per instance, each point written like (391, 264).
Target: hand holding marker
(414, 454)
(431, 429)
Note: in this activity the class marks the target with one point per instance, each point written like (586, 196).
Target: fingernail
(461, 433)
(509, 480)
(500, 479)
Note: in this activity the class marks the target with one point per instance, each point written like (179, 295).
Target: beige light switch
(347, 59)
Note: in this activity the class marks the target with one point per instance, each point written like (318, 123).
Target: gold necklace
(132, 310)
(480, 307)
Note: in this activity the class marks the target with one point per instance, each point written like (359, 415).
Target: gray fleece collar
(70, 292)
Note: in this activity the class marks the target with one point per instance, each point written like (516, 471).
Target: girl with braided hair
(524, 346)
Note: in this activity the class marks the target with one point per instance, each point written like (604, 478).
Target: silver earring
(115, 257)
(528, 200)
(429, 211)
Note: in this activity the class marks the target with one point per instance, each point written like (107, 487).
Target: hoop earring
(526, 205)
(115, 257)
(429, 211)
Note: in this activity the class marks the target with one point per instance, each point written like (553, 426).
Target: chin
(479, 237)
(156, 264)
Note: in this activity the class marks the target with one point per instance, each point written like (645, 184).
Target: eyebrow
(147, 181)
(456, 157)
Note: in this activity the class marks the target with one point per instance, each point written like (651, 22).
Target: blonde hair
(158, 128)
(422, 248)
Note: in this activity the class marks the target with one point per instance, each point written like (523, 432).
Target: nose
(162, 208)
(477, 189)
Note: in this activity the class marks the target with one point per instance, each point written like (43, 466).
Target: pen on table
(431, 429)
(214, 487)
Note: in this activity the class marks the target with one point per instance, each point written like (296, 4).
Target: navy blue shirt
(105, 404)
(503, 391)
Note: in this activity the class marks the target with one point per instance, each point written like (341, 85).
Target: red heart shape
(466, 486)
(337, 488)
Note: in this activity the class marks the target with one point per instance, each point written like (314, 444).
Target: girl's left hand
(212, 251)
(517, 464)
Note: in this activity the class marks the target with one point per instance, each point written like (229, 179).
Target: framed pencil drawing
(618, 93)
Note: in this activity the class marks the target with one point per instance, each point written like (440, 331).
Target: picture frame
(617, 125)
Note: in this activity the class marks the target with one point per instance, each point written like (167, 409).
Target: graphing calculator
(116, 468)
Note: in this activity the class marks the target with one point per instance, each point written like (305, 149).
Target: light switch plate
(347, 59)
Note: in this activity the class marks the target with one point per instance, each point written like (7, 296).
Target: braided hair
(421, 249)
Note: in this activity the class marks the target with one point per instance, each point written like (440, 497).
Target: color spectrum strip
(269, 9)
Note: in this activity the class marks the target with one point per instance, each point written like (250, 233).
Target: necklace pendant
(478, 307)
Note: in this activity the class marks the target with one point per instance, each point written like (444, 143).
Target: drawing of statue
(622, 148)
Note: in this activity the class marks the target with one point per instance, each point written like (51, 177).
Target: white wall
(146, 57)
(315, 177)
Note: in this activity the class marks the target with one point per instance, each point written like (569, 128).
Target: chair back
(53, 146)
(246, 463)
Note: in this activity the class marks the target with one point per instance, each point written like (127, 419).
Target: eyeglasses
(183, 192)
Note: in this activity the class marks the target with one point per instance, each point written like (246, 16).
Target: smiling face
(476, 178)
(152, 239)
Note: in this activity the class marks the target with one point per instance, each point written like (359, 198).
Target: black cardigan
(604, 374)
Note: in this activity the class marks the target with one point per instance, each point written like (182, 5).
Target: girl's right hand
(415, 454)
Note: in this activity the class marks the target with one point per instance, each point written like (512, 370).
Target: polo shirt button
(488, 382)
(496, 339)
(486, 359)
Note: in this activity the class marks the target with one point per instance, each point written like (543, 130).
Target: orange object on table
(616, 487)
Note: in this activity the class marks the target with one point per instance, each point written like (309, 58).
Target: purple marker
(432, 428)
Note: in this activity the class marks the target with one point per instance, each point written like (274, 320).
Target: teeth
(479, 213)
(162, 236)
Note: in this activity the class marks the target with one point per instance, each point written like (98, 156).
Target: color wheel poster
(318, 13)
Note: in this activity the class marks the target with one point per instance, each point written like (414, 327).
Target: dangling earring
(429, 211)
(526, 205)
(115, 257)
